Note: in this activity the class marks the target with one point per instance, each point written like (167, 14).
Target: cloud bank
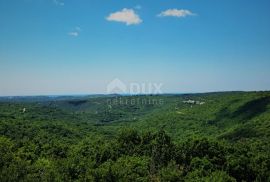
(127, 16)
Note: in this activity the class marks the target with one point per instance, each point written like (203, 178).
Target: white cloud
(127, 16)
(176, 13)
(76, 32)
(59, 3)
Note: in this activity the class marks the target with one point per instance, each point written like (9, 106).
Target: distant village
(193, 102)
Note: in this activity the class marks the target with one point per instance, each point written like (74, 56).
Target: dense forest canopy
(189, 137)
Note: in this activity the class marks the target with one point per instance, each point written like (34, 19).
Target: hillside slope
(189, 137)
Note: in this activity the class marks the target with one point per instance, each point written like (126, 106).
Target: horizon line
(128, 94)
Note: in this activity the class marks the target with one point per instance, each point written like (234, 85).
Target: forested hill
(221, 136)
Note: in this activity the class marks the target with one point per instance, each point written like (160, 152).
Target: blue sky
(50, 47)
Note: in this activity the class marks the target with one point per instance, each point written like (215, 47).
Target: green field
(223, 136)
